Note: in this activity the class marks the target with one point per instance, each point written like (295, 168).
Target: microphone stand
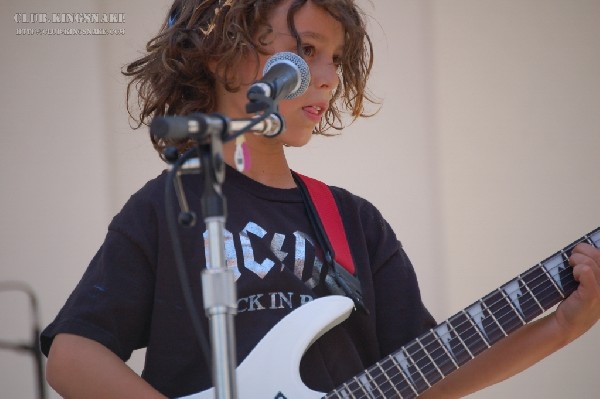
(218, 282)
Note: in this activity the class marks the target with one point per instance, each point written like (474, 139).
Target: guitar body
(282, 349)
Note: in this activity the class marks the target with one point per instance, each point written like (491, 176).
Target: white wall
(481, 157)
(54, 179)
(517, 92)
(65, 143)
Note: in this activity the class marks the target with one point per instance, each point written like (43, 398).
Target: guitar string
(504, 299)
(395, 367)
(444, 360)
(395, 372)
(587, 238)
(471, 324)
(527, 302)
(446, 356)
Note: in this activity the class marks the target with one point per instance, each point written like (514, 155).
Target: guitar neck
(428, 359)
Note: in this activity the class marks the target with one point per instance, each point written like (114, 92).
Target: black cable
(179, 258)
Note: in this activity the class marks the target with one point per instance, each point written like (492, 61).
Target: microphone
(199, 126)
(285, 76)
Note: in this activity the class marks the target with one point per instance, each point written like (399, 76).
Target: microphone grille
(301, 66)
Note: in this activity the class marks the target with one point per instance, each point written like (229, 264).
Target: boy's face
(322, 39)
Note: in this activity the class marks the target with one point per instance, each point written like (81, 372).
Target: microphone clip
(259, 102)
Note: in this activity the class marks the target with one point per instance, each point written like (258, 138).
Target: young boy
(203, 60)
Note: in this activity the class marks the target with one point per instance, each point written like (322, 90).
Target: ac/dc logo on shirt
(263, 252)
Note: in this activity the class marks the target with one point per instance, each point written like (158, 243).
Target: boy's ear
(246, 77)
(212, 65)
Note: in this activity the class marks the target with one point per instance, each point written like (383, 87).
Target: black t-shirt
(130, 296)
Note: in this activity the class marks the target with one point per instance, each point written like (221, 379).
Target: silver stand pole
(218, 283)
(219, 302)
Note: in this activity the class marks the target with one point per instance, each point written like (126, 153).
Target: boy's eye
(308, 51)
(337, 61)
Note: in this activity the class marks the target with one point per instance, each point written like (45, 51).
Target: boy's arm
(533, 342)
(82, 368)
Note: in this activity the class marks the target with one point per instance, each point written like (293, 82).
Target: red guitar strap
(327, 212)
(325, 217)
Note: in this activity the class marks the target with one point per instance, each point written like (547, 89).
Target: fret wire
(417, 367)
(532, 294)
(461, 340)
(450, 355)
(374, 383)
(410, 384)
(360, 386)
(430, 358)
(399, 371)
(348, 389)
(540, 265)
(512, 305)
(334, 392)
(591, 238)
(565, 260)
(485, 341)
(471, 322)
(588, 238)
(527, 307)
(546, 291)
(394, 393)
(389, 379)
(350, 393)
(560, 291)
(408, 392)
(476, 329)
(472, 335)
(458, 336)
(495, 319)
(565, 257)
(439, 352)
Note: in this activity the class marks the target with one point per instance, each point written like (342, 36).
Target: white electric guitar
(415, 367)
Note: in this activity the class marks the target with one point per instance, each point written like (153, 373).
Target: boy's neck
(268, 164)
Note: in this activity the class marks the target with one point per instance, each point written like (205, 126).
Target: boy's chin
(296, 143)
(297, 138)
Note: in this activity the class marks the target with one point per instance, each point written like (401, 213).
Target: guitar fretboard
(418, 365)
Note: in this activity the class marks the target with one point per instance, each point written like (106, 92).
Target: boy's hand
(581, 310)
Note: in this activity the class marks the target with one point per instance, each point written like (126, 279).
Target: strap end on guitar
(340, 282)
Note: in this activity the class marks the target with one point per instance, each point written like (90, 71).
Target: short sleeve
(112, 303)
(401, 314)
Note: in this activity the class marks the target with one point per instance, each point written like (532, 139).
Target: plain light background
(483, 157)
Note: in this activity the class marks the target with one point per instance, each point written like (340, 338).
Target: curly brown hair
(174, 77)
